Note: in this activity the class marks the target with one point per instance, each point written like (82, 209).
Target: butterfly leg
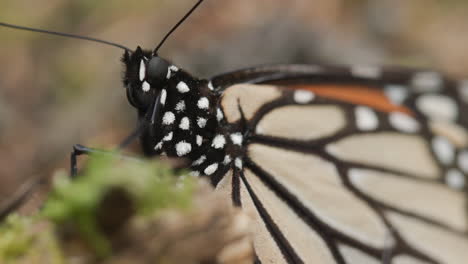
(82, 150)
(77, 151)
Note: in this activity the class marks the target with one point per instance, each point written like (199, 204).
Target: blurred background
(55, 92)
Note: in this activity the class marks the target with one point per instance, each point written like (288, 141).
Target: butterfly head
(179, 110)
(145, 76)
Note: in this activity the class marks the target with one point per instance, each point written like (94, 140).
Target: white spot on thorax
(168, 118)
(303, 97)
(163, 96)
(455, 179)
(184, 123)
(158, 146)
(203, 103)
(168, 137)
(366, 119)
(463, 160)
(142, 70)
(443, 149)
(437, 107)
(396, 93)
(201, 122)
(211, 169)
(426, 81)
(219, 114)
(237, 138)
(238, 163)
(180, 106)
(365, 71)
(171, 69)
(183, 148)
(182, 87)
(403, 122)
(145, 86)
(210, 86)
(199, 161)
(218, 142)
(199, 140)
(227, 159)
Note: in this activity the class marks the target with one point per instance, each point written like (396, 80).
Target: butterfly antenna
(176, 26)
(65, 35)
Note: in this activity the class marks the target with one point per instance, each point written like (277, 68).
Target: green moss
(27, 240)
(151, 187)
(15, 238)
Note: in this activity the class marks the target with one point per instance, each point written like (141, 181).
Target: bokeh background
(55, 92)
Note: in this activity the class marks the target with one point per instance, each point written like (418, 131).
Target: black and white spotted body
(187, 114)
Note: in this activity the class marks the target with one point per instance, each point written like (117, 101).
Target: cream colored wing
(327, 181)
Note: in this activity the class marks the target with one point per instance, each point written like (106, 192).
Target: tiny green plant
(143, 189)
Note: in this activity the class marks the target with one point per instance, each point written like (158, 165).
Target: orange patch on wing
(357, 95)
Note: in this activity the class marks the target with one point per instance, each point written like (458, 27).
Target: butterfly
(332, 164)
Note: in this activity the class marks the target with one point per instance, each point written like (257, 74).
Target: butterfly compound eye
(157, 68)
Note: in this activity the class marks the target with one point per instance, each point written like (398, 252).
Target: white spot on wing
(211, 169)
(366, 119)
(183, 148)
(455, 179)
(163, 96)
(396, 93)
(142, 70)
(184, 123)
(168, 118)
(203, 103)
(427, 81)
(303, 97)
(237, 138)
(403, 122)
(443, 149)
(218, 142)
(437, 107)
(365, 71)
(145, 86)
(182, 87)
(201, 122)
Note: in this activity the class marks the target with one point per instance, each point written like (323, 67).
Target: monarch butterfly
(333, 164)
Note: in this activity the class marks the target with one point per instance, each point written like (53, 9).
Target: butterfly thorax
(182, 113)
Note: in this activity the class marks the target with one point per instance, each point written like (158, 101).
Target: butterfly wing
(348, 166)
